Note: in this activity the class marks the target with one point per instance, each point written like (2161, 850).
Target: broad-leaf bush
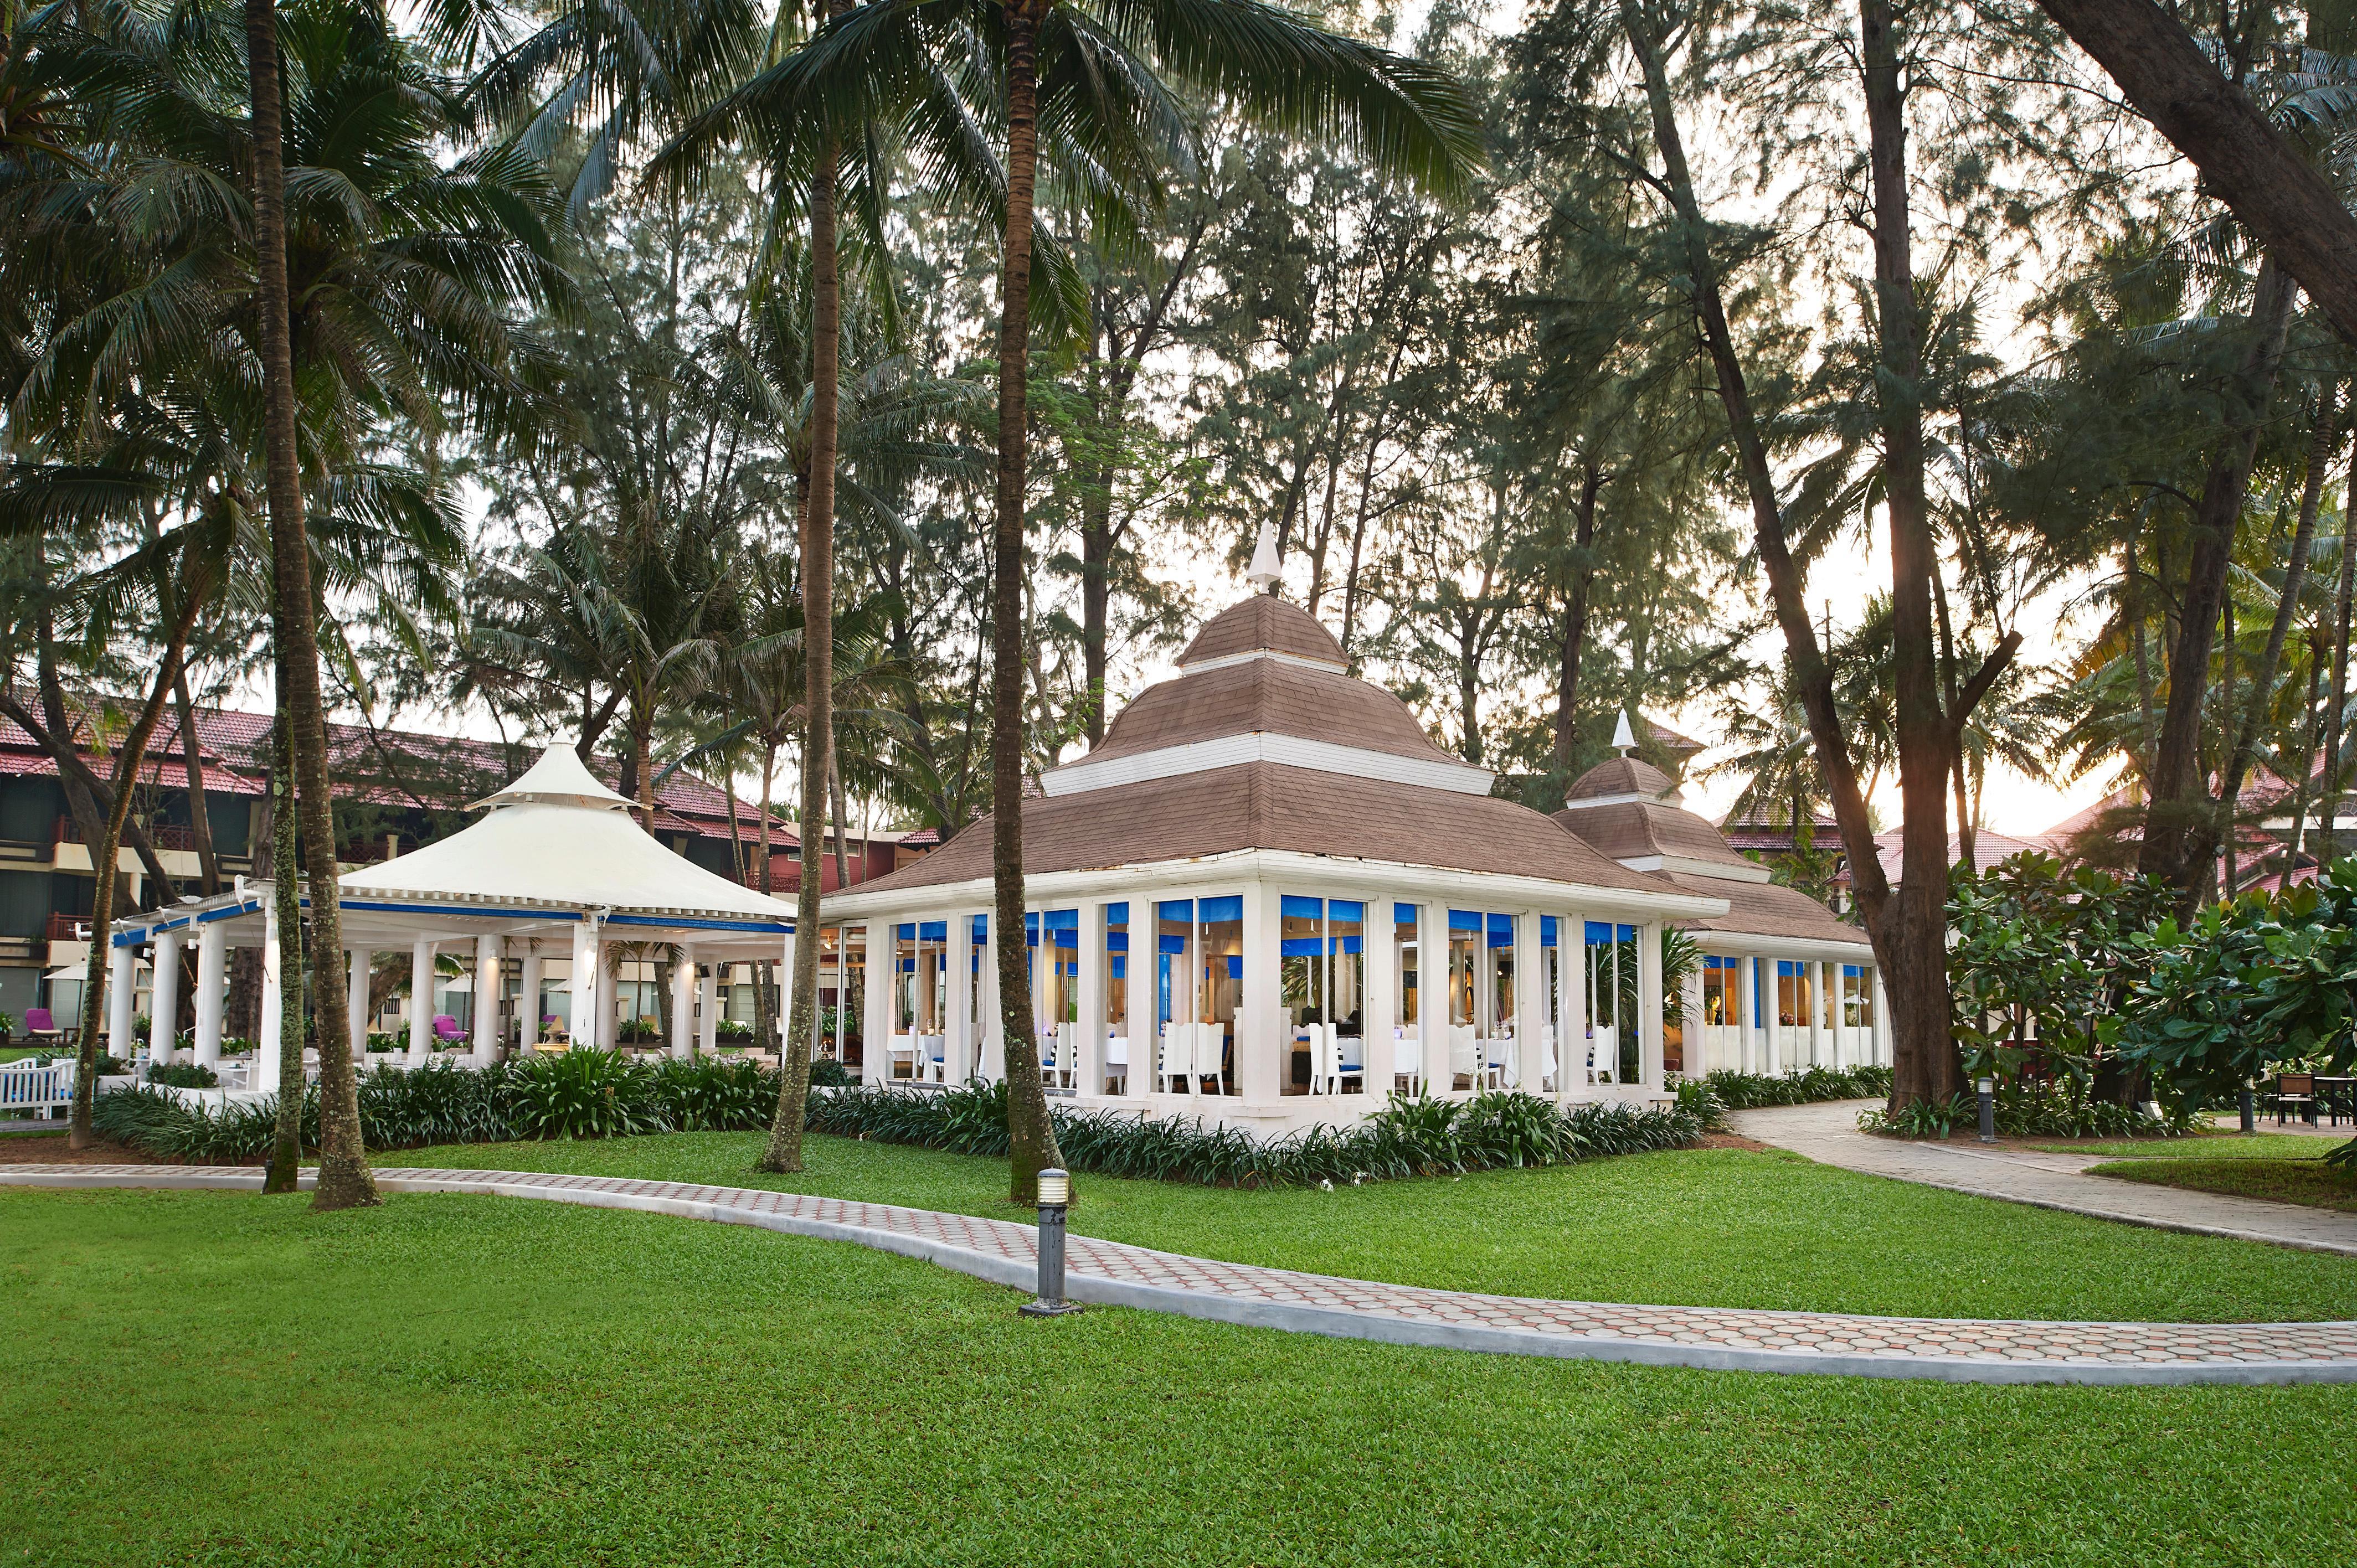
(1807, 1086)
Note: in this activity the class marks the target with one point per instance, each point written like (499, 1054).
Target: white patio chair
(1211, 1054)
(1068, 1053)
(933, 1057)
(1117, 1061)
(899, 1051)
(1550, 1068)
(1178, 1057)
(1324, 1060)
(1464, 1055)
(1408, 1057)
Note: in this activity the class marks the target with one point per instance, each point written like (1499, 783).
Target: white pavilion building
(543, 899)
(1268, 899)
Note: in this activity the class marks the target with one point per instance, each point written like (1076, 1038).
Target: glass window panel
(1403, 958)
(1117, 975)
(1220, 953)
(1346, 934)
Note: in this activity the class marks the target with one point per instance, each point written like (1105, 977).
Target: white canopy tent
(556, 859)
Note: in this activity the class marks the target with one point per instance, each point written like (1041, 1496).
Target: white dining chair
(1211, 1054)
(899, 1050)
(1178, 1063)
(1464, 1055)
(1407, 1058)
(1324, 1060)
(1117, 1062)
(1550, 1065)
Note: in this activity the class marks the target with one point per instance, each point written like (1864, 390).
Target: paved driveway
(1828, 1133)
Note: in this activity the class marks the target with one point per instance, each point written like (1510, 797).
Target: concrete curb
(1299, 1318)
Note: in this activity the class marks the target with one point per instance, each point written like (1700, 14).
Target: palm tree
(378, 295)
(1089, 83)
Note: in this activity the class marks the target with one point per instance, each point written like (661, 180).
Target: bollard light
(2249, 1107)
(1055, 1196)
(1989, 1109)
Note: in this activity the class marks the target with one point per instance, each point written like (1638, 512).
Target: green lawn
(2203, 1146)
(226, 1378)
(1715, 1227)
(2309, 1182)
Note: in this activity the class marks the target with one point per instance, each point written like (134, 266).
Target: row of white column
(696, 1013)
(972, 1044)
(1762, 1037)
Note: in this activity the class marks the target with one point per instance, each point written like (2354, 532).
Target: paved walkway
(1949, 1349)
(1828, 1133)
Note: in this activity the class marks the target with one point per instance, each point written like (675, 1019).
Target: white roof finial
(1624, 739)
(1263, 575)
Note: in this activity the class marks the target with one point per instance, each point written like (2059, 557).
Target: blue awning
(1464, 919)
(1176, 910)
(1293, 906)
(1341, 910)
(1403, 914)
(933, 931)
(1117, 914)
(1217, 909)
(1547, 930)
(1502, 930)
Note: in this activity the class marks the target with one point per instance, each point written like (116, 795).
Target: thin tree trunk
(1031, 1136)
(784, 1152)
(1574, 622)
(2244, 742)
(286, 1142)
(842, 820)
(345, 1180)
(2329, 794)
(103, 876)
(200, 827)
(2175, 841)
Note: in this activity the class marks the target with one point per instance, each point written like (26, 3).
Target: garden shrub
(184, 1075)
(1806, 1086)
(2033, 1110)
(590, 1093)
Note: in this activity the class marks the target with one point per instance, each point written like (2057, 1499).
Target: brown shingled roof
(1764, 909)
(1265, 696)
(1632, 830)
(1266, 805)
(1621, 776)
(1262, 622)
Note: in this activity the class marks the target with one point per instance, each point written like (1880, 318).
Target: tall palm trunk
(2329, 789)
(1031, 1136)
(345, 1181)
(286, 1142)
(102, 858)
(817, 544)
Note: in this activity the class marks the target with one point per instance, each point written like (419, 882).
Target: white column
(164, 1001)
(421, 1001)
(957, 1027)
(1380, 1015)
(528, 1001)
(490, 984)
(1881, 1016)
(1089, 1052)
(1696, 1060)
(1432, 994)
(1261, 1052)
(876, 1032)
(1145, 938)
(121, 998)
(1649, 1003)
(212, 974)
(356, 1003)
(583, 1026)
(270, 1048)
(1772, 1025)
(609, 1023)
(682, 1001)
(993, 1055)
(1816, 972)
(1571, 1030)
(1530, 1006)
(708, 1010)
(1746, 1035)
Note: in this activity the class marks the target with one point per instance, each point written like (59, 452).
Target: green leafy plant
(184, 1075)
(586, 1093)
(1805, 1086)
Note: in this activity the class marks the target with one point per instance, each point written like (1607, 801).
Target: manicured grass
(2202, 1146)
(2310, 1181)
(1711, 1226)
(231, 1379)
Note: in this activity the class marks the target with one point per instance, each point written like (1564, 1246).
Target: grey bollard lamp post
(1989, 1109)
(1055, 1196)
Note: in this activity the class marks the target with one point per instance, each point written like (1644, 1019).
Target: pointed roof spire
(1263, 574)
(558, 778)
(1624, 739)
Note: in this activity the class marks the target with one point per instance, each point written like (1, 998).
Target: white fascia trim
(1296, 869)
(1264, 745)
(1687, 866)
(1741, 944)
(1626, 797)
(1196, 667)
